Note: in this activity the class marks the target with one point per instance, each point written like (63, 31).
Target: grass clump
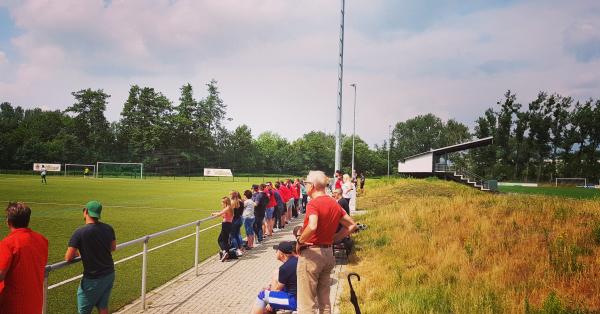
(452, 249)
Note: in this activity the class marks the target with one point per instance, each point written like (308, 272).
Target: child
(226, 226)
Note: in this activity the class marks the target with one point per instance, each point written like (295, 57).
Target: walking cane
(353, 298)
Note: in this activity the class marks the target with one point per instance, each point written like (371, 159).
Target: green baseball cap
(94, 209)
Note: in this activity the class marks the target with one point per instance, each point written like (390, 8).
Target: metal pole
(197, 247)
(389, 147)
(353, 128)
(144, 270)
(338, 132)
(45, 293)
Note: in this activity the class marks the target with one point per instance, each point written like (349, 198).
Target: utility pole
(389, 147)
(353, 128)
(338, 131)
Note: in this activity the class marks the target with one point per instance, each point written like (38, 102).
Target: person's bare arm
(221, 213)
(71, 253)
(310, 229)
(113, 245)
(349, 226)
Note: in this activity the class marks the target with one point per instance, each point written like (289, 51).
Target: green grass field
(134, 208)
(570, 192)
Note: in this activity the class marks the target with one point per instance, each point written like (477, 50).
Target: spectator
(337, 194)
(248, 218)
(304, 196)
(260, 208)
(281, 293)
(279, 209)
(347, 188)
(226, 226)
(95, 242)
(285, 195)
(362, 181)
(236, 224)
(290, 198)
(270, 211)
(338, 180)
(323, 215)
(296, 196)
(23, 258)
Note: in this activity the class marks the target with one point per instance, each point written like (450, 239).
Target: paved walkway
(222, 287)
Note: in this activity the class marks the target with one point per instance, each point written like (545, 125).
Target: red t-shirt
(338, 184)
(272, 201)
(295, 192)
(23, 256)
(285, 193)
(329, 213)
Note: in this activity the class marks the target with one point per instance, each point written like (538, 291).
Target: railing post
(45, 292)
(197, 247)
(144, 270)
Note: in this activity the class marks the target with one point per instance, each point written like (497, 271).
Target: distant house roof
(457, 147)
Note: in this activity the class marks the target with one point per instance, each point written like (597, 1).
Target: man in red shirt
(316, 260)
(23, 258)
(285, 195)
(338, 179)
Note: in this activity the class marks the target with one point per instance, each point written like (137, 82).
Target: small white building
(436, 160)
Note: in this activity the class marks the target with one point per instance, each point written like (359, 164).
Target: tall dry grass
(439, 247)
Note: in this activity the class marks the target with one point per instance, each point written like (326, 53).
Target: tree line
(552, 136)
(170, 138)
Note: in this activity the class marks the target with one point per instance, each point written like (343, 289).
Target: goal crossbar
(82, 165)
(570, 179)
(141, 164)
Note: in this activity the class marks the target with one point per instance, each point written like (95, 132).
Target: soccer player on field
(43, 174)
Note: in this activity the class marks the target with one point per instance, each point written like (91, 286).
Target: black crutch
(353, 298)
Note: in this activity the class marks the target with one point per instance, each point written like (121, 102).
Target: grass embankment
(571, 192)
(435, 246)
(134, 208)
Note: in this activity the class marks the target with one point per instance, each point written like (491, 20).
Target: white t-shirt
(248, 209)
(347, 187)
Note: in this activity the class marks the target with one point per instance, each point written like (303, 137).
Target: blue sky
(452, 58)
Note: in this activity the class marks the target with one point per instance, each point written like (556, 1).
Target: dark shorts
(94, 293)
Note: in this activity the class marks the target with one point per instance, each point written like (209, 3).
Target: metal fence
(144, 240)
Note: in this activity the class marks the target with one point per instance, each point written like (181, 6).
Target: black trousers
(224, 235)
(258, 222)
(304, 201)
(277, 216)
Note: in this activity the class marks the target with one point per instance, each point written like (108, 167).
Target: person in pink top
(226, 226)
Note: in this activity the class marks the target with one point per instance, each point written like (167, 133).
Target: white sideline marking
(134, 256)
(116, 206)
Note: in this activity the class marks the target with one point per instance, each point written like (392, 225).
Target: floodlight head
(353, 85)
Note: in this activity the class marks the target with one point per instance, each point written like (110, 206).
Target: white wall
(422, 163)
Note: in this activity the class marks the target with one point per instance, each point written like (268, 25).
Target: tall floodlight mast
(338, 131)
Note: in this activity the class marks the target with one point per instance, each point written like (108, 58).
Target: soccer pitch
(134, 208)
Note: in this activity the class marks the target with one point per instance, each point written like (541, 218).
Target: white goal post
(81, 165)
(572, 181)
(120, 163)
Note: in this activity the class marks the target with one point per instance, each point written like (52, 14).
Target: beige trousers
(314, 279)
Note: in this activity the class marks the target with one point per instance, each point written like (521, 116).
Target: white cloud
(276, 61)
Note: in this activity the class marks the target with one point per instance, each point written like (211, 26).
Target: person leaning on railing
(23, 257)
(95, 242)
(316, 261)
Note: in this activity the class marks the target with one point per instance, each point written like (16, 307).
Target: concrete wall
(422, 163)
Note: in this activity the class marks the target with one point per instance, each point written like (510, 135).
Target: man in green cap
(95, 242)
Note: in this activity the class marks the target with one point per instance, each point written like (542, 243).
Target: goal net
(134, 170)
(80, 170)
(570, 182)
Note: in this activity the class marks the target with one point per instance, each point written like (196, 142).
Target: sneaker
(224, 256)
(276, 229)
(239, 252)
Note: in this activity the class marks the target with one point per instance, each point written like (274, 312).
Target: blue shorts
(249, 225)
(94, 293)
(278, 300)
(269, 213)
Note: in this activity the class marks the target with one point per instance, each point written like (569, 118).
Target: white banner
(209, 172)
(49, 167)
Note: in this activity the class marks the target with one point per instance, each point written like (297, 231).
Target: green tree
(90, 127)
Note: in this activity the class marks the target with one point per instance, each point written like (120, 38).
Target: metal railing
(462, 171)
(144, 240)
